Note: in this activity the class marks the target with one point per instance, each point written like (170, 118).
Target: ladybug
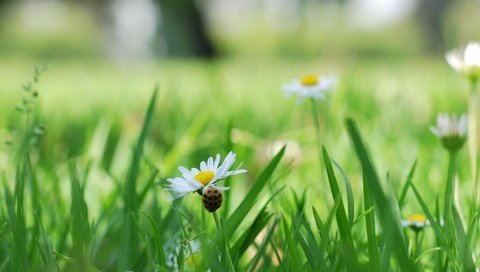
(212, 199)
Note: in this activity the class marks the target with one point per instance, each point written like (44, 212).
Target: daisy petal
(221, 188)
(185, 173)
(203, 166)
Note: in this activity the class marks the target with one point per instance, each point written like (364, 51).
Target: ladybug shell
(212, 199)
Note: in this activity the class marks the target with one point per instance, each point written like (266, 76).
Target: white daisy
(452, 130)
(415, 221)
(310, 86)
(201, 179)
(448, 126)
(466, 60)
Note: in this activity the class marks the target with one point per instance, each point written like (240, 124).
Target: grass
(84, 173)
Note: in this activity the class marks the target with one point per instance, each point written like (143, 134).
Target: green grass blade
(313, 246)
(3, 265)
(16, 222)
(403, 194)
(263, 246)
(294, 259)
(369, 213)
(434, 223)
(143, 193)
(3, 226)
(465, 257)
(318, 222)
(158, 243)
(391, 225)
(471, 236)
(364, 214)
(393, 200)
(248, 237)
(44, 245)
(246, 205)
(130, 191)
(130, 239)
(300, 239)
(324, 231)
(428, 251)
(349, 191)
(350, 253)
(79, 220)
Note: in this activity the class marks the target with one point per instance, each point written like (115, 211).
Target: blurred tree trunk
(183, 29)
(431, 13)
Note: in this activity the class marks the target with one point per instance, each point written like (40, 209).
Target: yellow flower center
(417, 218)
(205, 177)
(309, 80)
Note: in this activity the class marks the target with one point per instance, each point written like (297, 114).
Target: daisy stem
(417, 244)
(228, 258)
(450, 193)
(473, 138)
(316, 123)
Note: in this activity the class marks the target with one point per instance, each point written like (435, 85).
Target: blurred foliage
(80, 30)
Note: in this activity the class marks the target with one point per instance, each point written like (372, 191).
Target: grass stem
(316, 123)
(228, 258)
(450, 190)
(473, 138)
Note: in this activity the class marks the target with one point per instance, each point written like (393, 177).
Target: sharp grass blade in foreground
(299, 237)
(158, 243)
(293, 258)
(45, 248)
(349, 191)
(435, 225)
(391, 226)
(348, 248)
(130, 197)
(130, 191)
(227, 257)
(81, 235)
(16, 221)
(373, 247)
(263, 246)
(326, 248)
(464, 256)
(248, 237)
(472, 233)
(234, 220)
(403, 194)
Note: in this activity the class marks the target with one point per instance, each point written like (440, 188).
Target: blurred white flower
(415, 221)
(448, 126)
(310, 86)
(466, 60)
(293, 151)
(202, 179)
(452, 130)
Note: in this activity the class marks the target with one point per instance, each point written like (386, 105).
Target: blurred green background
(221, 64)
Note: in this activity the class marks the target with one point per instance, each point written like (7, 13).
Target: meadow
(85, 165)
